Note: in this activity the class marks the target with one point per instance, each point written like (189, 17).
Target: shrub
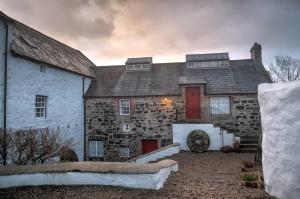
(33, 146)
(248, 177)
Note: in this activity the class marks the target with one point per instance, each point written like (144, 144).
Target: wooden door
(149, 146)
(192, 99)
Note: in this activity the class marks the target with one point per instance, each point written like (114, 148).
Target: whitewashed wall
(2, 50)
(280, 114)
(64, 94)
(181, 131)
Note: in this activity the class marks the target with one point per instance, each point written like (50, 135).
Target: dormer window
(138, 67)
(141, 63)
(207, 64)
(207, 60)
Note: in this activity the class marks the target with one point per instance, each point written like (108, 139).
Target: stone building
(42, 82)
(131, 108)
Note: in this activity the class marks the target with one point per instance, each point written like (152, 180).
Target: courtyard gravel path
(206, 175)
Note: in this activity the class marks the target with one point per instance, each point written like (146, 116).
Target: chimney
(256, 53)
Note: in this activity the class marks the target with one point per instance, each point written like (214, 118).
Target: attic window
(138, 67)
(207, 64)
(28, 42)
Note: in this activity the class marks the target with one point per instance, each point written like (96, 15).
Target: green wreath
(198, 141)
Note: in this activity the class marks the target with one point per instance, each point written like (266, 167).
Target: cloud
(110, 31)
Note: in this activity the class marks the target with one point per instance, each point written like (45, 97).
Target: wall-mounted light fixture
(167, 102)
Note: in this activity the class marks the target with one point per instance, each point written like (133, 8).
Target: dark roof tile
(165, 79)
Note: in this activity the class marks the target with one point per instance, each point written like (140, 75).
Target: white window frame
(124, 106)
(220, 102)
(124, 152)
(40, 106)
(145, 67)
(96, 148)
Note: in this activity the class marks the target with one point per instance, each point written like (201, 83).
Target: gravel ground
(205, 175)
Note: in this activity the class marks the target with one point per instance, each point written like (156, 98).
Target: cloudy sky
(109, 31)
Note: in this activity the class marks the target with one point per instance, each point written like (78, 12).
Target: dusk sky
(108, 32)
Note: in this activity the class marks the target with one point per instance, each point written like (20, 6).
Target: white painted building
(46, 81)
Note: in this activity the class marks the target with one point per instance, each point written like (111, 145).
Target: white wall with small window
(51, 99)
(124, 152)
(96, 148)
(124, 106)
(220, 104)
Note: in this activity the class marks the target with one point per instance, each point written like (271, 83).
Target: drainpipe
(84, 123)
(5, 96)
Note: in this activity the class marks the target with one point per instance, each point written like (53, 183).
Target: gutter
(84, 123)
(5, 95)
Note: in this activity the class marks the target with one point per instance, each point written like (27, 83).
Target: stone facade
(152, 118)
(245, 109)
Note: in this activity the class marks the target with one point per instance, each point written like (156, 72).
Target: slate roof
(33, 45)
(241, 76)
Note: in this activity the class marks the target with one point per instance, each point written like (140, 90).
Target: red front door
(148, 146)
(192, 98)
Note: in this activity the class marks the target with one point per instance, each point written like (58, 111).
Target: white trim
(40, 106)
(96, 148)
(124, 104)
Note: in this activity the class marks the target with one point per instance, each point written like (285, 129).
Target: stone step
(245, 150)
(248, 145)
(249, 140)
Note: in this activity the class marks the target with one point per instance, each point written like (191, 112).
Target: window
(96, 148)
(220, 105)
(124, 106)
(40, 106)
(207, 64)
(138, 67)
(124, 152)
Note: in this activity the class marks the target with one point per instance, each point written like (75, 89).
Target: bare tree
(34, 146)
(285, 68)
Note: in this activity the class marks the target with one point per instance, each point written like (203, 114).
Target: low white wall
(145, 181)
(146, 176)
(158, 154)
(181, 131)
(280, 114)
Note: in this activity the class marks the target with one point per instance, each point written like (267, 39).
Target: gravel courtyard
(205, 175)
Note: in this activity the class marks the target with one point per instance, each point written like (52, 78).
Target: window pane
(220, 105)
(96, 148)
(124, 106)
(124, 151)
(40, 106)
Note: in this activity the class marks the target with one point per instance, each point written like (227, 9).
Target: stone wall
(245, 109)
(150, 118)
